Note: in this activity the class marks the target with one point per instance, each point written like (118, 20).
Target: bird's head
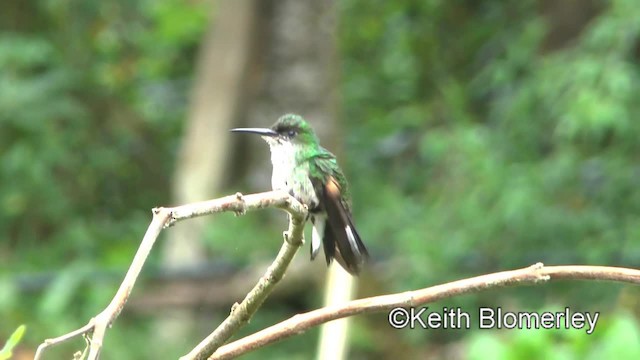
(289, 130)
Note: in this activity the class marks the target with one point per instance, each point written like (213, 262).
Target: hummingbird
(310, 173)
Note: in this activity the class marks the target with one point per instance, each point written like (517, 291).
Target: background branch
(531, 275)
(165, 217)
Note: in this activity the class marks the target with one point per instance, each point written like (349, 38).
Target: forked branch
(165, 217)
(213, 347)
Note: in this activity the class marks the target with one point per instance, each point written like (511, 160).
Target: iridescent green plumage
(325, 164)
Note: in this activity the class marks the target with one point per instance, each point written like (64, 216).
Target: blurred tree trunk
(215, 99)
(261, 59)
(301, 77)
(294, 72)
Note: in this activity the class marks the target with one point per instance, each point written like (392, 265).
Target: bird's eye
(292, 133)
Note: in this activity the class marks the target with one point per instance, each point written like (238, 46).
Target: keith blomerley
(492, 318)
(496, 318)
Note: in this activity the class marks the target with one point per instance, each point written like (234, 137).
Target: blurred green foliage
(472, 146)
(92, 98)
(617, 338)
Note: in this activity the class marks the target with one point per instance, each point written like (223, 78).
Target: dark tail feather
(340, 232)
(329, 243)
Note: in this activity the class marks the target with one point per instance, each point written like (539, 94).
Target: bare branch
(164, 217)
(241, 313)
(531, 275)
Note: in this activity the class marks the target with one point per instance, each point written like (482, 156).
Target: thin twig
(531, 275)
(242, 313)
(60, 339)
(165, 217)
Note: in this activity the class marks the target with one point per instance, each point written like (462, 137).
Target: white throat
(283, 159)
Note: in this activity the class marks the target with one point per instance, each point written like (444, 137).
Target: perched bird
(311, 174)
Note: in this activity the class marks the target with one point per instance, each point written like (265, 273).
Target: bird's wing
(340, 233)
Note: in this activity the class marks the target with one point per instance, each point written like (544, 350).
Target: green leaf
(14, 339)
